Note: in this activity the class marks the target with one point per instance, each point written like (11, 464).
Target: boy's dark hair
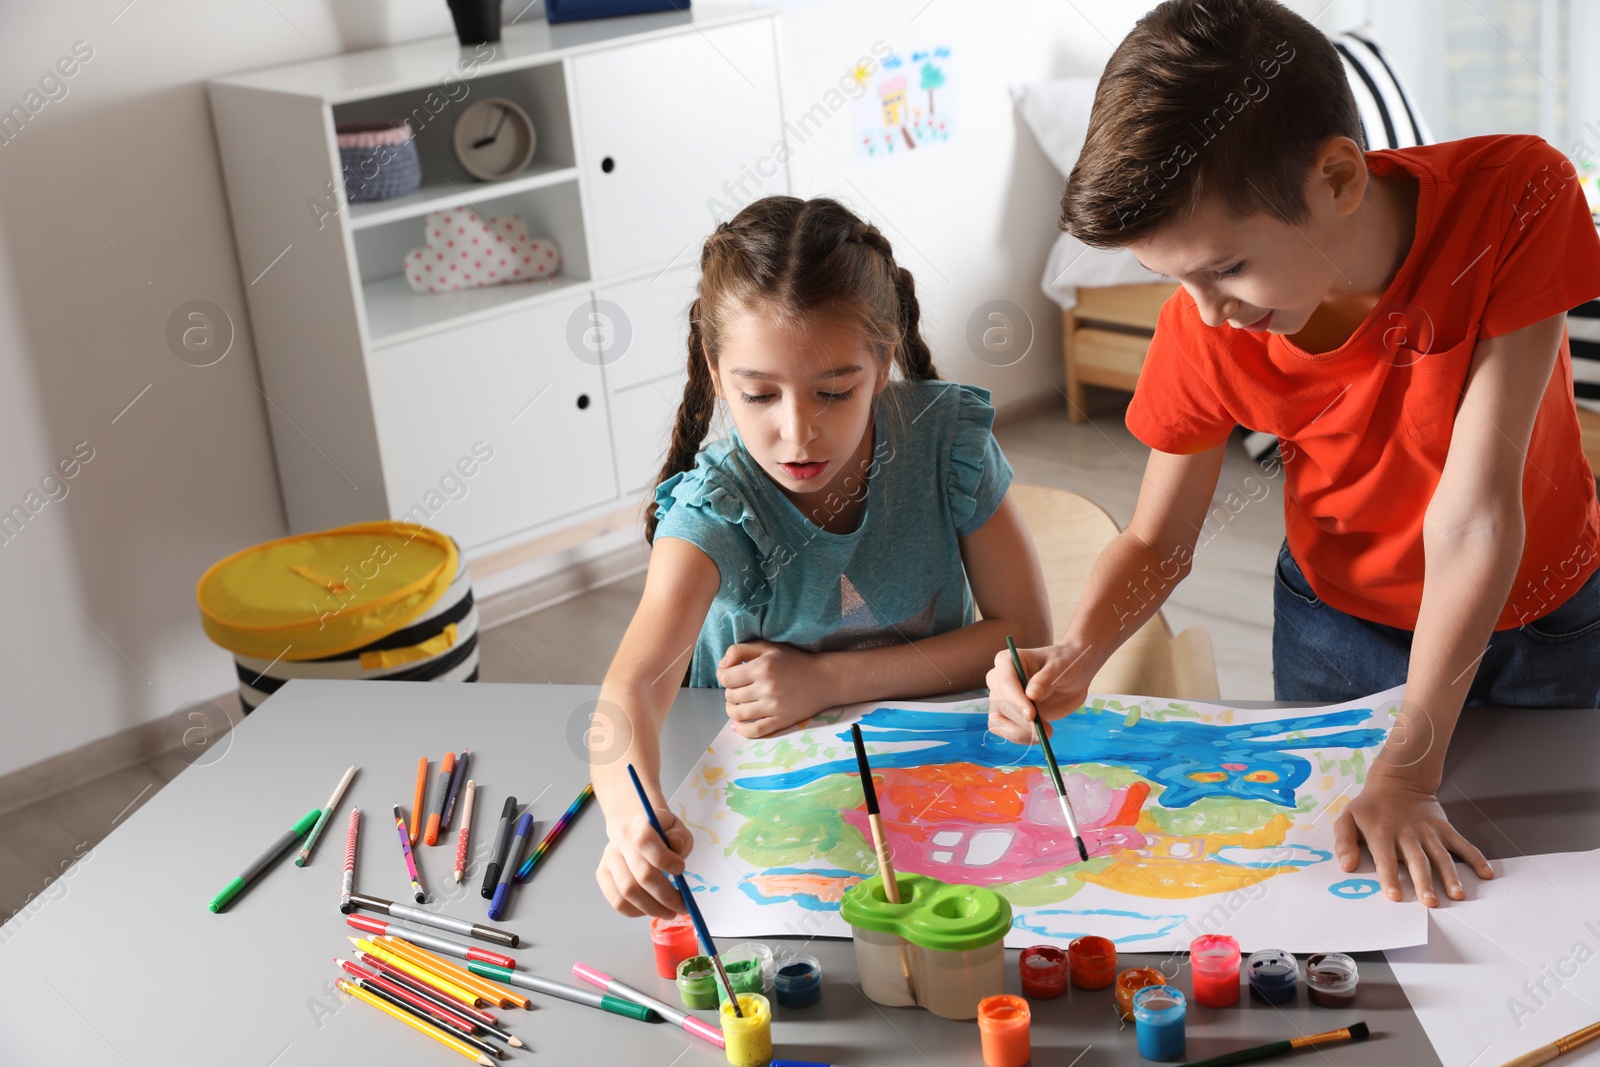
(1229, 98)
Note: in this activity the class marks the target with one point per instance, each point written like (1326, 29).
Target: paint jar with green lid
(953, 938)
(745, 971)
(697, 983)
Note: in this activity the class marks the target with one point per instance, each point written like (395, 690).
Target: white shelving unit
(511, 412)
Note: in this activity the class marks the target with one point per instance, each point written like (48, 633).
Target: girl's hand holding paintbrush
(1059, 678)
(631, 868)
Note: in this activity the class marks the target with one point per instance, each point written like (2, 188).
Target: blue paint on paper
(1252, 761)
(1354, 888)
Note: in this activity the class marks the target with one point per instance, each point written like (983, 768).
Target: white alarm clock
(493, 139)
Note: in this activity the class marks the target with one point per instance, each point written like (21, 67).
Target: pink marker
(622, 989)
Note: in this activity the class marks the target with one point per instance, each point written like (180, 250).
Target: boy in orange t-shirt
(1397, 319)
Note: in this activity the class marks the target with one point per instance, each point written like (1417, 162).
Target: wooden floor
(1229, 592)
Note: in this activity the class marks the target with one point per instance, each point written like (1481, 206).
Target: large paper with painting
(1199, 818)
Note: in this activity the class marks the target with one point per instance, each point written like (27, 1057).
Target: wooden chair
(1070, 530)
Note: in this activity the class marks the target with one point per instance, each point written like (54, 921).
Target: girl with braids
(828, 551)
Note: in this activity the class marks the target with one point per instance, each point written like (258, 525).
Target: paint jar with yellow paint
(748, 1036)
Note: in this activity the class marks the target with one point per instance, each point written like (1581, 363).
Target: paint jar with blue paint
(1158, 1019)
(1274, 976)
(799, 982)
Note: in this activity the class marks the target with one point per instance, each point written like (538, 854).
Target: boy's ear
(1340, 173)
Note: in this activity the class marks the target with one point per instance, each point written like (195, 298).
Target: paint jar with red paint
(674, 942)
(1092, 962)
(1044, 972)
(1214, 961)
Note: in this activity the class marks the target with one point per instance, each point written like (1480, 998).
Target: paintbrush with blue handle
(688, 896)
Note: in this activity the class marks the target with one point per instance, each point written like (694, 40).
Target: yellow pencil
(450, 972)
(1546, 1053)
(421, 974)
(417, 1024)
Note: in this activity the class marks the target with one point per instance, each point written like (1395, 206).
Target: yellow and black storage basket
(373, 600)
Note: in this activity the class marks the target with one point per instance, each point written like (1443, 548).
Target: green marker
(265, 860)
(603, 1001)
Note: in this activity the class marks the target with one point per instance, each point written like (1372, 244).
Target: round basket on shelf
(379, 159)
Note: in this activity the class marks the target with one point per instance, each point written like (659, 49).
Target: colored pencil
(456, 779)
(446, 1039)
(603, 1001)
(467, 803)
(424, 990)
(492, 934)
(1049, 757)
(617, 988)
(447, 769)
(420, 973)
(556, 831)
(444, 1016)
(502, 839)
(496, 995)
(419, 798)
(411, 863)
(695, 917)
(502, 889)
(430, 941)
(1353, 1032)
(263, 861)
(456, 1032)
(327, 813)
(349, 883)
(1561, 1045)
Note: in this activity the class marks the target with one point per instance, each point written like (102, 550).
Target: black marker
(502, 839)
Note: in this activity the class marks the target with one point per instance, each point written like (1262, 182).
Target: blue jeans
(1321, 654)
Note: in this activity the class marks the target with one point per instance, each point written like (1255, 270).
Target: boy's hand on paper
(1402, 822)
(771, 686)
(1058, 682)
(630, 872)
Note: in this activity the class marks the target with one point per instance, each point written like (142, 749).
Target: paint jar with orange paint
(1092, 961)
(1003, 1023)
(1130, 982)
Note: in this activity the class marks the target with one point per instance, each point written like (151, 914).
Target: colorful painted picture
(907, 104)
(1198, 818)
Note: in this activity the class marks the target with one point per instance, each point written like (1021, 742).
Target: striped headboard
(1583, 331)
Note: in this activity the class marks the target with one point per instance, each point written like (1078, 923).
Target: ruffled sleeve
(707, 507)
(979, 474)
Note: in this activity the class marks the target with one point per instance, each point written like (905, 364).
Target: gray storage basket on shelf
(379, 159)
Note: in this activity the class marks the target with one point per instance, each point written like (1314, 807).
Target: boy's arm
(771, 686)
(626, 725)
(1131, 580)
(1472, 541)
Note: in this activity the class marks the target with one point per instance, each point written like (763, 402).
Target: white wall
(112, 214)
